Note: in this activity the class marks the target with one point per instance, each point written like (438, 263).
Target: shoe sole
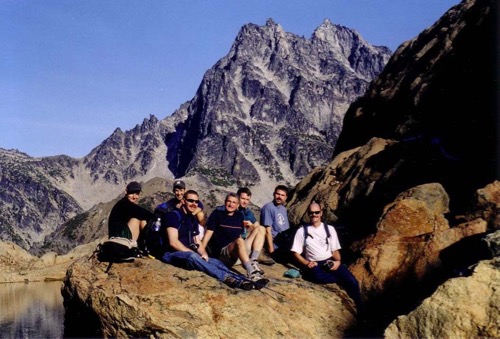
(261, 283)
(247, 287)
(267, 262)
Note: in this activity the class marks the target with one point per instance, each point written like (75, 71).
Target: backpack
(306, 234)
(116, 250)
(153, 240)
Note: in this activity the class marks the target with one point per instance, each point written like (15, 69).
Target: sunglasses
(314, 212)
(192, 201)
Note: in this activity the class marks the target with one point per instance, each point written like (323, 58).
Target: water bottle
(157, 224)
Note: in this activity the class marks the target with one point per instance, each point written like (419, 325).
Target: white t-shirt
(316, 245)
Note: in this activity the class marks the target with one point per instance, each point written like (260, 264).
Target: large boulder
(464, 307)
(410, 236)
(148, 298)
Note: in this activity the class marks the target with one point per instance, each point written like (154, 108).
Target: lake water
(31, 310)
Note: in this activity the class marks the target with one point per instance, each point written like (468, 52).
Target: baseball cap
(134, 186)
(179, 184)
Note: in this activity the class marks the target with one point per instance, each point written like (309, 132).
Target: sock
(255, 255)
(248, 266)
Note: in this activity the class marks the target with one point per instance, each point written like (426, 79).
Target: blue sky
(74, 70)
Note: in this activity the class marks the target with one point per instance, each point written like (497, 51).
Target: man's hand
(312, 264)
(203, 253)
(335, 266)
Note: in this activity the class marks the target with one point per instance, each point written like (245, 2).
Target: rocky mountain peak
(260, 108)
(269, 111)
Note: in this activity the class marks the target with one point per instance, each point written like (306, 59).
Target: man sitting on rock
(254, 234)
(274, 217)
(225, 228)
(184, 248)
(179, 188)
(127, 218)
(316, 249)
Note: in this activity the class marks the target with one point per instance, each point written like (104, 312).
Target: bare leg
(136, 226)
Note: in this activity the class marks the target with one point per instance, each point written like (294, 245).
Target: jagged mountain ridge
(269, 111)
(274, 105)
(29, 195)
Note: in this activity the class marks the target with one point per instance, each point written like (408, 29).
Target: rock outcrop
(410, 236)
(148, 298)
(436, 99)
(17, 265)
(463, 307)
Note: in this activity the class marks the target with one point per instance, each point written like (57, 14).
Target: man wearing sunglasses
(316, 250)
(184, 248)
(179, 189)
(127, 219)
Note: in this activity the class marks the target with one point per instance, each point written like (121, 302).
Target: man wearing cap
(127, 218)
(179, 188)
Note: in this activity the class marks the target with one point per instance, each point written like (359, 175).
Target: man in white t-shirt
(316, 250)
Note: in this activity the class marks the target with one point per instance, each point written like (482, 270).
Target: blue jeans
(341, 276)
(193, 261)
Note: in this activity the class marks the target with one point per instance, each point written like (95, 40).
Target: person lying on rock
(223, 238)
(316, 250)
(127, 219)
(185, 250)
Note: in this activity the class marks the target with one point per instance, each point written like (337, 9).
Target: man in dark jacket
(127, 218)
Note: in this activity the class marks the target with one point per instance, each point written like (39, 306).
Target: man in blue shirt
(274, 217)
(185, 250)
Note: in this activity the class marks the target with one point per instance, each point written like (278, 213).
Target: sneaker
(231, 281)
(265, 259)
(246, 285)
(256, 267)
(258, 280)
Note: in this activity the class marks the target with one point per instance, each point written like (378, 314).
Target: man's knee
(261, 231)
(240, 242)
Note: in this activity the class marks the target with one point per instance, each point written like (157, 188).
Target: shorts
(225, 257)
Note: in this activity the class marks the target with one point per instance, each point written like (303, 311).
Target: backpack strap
(327, 234)
(306, 234)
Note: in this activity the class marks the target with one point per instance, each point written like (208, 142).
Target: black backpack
(153, 240)
(116, 250)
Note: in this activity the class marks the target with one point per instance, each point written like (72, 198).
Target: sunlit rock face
(465, 307)
(149, 298)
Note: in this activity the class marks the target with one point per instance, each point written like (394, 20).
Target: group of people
(232, 234)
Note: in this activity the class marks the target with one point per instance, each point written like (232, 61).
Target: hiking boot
(246, 285)
(265, 259)
(231, 282)
(256, 267)
(258, 280)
